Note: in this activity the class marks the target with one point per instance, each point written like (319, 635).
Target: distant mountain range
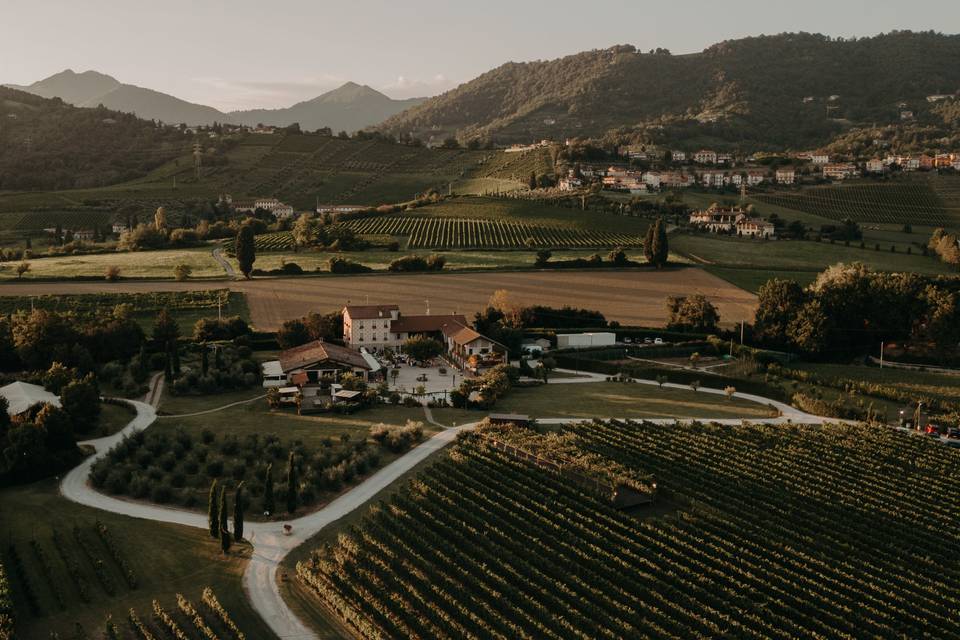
(767, 92)
(349, 108)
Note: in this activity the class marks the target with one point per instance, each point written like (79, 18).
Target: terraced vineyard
(779, 532)
(933, 202)
(34, 221)
(462, 233)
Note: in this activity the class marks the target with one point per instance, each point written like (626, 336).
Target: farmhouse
(732, 220)
(876, 165)
(755, 178)
(23, 396)
(308, 363)
(84, 235)
(119, 227)
(678, 156)
(820, 159)
(471, 349)
(380, 326)
(274, 206)
(569, 184)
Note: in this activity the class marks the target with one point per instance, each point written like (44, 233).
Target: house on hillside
(705, 156)
(876, 165)
(840, 171)
(569, 184)
(820, 159)
(756, 177)
(787, 175)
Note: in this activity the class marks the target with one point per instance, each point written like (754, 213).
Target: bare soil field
(630, 297)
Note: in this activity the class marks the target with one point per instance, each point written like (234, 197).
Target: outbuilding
(581, 340)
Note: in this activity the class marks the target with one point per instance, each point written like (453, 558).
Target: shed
(578, 340)
(518, 419)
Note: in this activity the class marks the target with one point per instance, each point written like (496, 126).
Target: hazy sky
(250, 53)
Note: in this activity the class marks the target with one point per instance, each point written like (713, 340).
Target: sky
(237, 54)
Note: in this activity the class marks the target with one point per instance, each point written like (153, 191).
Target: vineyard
(912, 202)
(38, 220)
(456, 233)
(776, 532)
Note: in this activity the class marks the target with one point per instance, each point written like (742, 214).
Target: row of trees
(850, 308)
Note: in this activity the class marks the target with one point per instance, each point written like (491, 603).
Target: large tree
(246, 250)
(692, 313)
(81, 401)
(165, 328)
(778, 302)
(420, 348)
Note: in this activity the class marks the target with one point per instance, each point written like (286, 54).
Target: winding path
(217, 254)
(270, 545)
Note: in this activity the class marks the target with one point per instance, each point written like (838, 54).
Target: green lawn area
(139, 264)
(113, 417)
(622, 400)
(166, 559)
(793, 255)
(751, 279)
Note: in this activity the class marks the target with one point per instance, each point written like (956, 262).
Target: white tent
(23, 395)
(372, 361)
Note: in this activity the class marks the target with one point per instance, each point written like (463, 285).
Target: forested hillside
(789, 90)
(47, 144)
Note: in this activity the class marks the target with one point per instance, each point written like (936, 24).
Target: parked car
(953, 433)
(658, 341)
(648, 341)
(932, 430)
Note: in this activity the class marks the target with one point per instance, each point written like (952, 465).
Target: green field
(931, 201)
(624, 400)
(748, 263)
(138, 264)
(920, 384)
(783, 532)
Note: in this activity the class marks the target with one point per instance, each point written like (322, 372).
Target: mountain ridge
(349, 107)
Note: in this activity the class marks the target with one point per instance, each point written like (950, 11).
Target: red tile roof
(320, 351)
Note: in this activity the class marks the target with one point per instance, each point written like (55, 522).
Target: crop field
(632, 297)
(776, 532)
(137, 264)
(796, 255)
(932, 202)
(465, 233)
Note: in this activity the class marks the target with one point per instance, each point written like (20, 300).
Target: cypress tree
(291, 484)
(661, 248)
(245, 250)
(167, 368)
(648, 245)
(218, 357)
(144, 366)
(204, 359)
(213, 511)
(223, 510)
(238, 513)
(268, 504)
(224, 541)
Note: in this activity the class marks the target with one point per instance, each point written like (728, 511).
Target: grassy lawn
(166, 559)
(751, 279)
(619, 400)
(796, 255)
(113, 417)
(138, 264)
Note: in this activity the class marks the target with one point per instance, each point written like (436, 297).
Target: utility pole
(881, 355)
(742, 324)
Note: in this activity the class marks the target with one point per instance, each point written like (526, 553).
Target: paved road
(217, 254)
(270, 545)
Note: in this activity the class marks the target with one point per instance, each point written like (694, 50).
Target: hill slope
(349, 108)
(47, 144)
(768, 91)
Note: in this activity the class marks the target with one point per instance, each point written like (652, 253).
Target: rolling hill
(48, 144)
(348, 108)
(788, 90)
